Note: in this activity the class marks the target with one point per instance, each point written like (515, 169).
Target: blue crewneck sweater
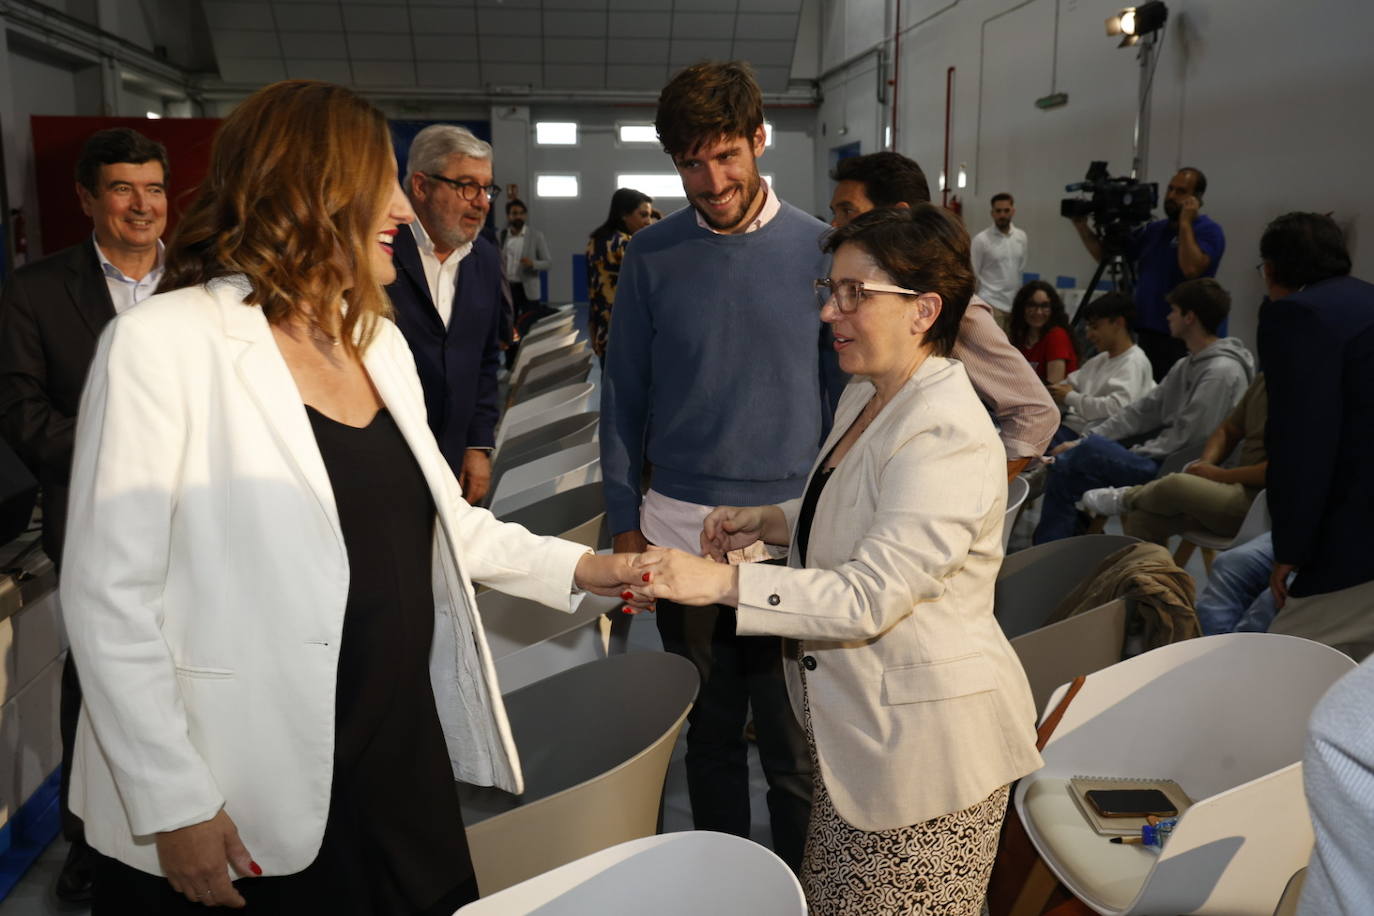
(719, 370)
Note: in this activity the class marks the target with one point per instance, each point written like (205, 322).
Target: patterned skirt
(940, 866)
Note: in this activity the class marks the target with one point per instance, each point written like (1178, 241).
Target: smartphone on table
(1131, 803)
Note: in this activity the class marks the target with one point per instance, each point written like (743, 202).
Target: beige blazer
(918, 704)
(206, 578)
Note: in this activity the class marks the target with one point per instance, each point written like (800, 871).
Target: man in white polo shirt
(999, 258)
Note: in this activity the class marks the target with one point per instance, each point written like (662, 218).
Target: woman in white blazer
(269, 568)
(918, 711)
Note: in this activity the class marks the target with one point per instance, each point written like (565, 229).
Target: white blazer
(919, 705)
(206, 577)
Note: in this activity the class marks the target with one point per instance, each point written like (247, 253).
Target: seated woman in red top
(1040, 330)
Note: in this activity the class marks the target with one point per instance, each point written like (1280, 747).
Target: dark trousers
(122, 890)
(69, 712)
(1163, 350)
(737, 673)
(1097, 462)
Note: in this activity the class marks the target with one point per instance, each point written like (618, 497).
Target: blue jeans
(1097, 462)
(1237, 597)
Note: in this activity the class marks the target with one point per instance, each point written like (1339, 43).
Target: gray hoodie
(1192, 401)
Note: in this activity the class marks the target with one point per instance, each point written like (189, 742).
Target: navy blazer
(457, 364)
(51, 313)
(1317, 351)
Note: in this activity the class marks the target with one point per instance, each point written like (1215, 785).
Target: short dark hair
(1205, 298)
(1020, 328)
(516, 202)
(889, 179)
(706, 102)
(1304, 248)
(1003, 195)
(114, 145)
(1110, 305)
(1199, 180)
(922, 248)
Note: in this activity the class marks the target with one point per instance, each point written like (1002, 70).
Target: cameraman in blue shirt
(1183, 246)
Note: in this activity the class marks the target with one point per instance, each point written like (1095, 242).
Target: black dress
(394, 840)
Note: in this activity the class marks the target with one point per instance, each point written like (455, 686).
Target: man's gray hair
(432, 147)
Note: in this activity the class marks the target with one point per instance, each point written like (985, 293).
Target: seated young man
(1119, 374)
(1204, 495)
(1176, 417)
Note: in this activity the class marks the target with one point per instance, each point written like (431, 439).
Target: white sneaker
(1104, 501)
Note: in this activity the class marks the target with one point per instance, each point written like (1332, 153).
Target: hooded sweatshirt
(1192, 401)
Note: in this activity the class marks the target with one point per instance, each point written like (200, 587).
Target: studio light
(1135, 21)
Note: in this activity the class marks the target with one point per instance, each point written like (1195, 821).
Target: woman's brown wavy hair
(298, 178)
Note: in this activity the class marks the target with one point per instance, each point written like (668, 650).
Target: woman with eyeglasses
(269, 567)
(917, 710)
(1040, 330)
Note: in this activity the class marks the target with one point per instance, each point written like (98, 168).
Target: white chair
(529, 483)
(559, 321)
(1033, 582)
(530, 642)
(1256, 522)
(562, 373)
(554, 341)
(577, 515)
(675, 874)
(1017, 491)
(594, 744)
(553, 405)
(1081, 644)
(1226, 718)
(561, 434)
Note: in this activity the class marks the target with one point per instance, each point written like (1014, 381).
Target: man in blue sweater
(719, 378)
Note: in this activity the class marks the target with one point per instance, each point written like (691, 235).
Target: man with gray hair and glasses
(448, 296)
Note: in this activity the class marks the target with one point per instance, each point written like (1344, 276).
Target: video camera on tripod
(1117, 205)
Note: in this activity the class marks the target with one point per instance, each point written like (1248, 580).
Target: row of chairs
(1223, 716)
(594, 773)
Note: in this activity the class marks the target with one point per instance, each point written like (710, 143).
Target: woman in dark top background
(1040, 330)
(631, 211)
(269, 569)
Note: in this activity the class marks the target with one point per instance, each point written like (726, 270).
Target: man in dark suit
(51, 314)
(448, 296)
(1316, 344)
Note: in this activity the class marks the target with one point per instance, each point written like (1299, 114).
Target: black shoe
(74, 883)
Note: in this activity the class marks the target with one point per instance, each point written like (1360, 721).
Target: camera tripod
(1121, 272)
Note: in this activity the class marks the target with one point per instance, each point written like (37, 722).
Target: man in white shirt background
(999, 258)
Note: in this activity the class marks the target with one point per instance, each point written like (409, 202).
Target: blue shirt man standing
(1184, 245)
(720, 378)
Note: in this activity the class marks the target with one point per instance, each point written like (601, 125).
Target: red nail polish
(626, 610)
(646, 577)
(255, 868)
(627, 594)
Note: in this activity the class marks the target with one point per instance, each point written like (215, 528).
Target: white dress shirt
(442, 276)
(999, 259)
(511, 253)
(125, 291)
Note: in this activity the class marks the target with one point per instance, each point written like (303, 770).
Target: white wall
(597, 159)
(1268, 98)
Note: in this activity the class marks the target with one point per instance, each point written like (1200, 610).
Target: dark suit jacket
(51, 313)
(1317, 351)
(457, 364)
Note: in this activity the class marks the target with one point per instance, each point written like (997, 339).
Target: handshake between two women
(639, 579)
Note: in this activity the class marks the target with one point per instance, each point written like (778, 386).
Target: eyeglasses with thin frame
(467, 189)
(849, 293)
